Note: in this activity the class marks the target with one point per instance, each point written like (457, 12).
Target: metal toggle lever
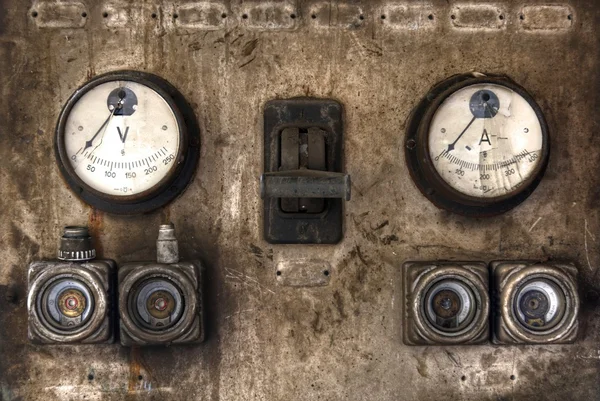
(305, 183)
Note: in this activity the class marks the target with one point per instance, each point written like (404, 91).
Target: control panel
(299, 200)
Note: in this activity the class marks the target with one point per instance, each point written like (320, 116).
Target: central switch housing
(303, 155)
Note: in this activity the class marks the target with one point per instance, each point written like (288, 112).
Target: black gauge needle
(451, 146)
(88, 144)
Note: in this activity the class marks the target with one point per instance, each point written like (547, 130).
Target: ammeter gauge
(127, 142)
(477, 145)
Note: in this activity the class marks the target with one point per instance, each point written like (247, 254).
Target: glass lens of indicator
(67, 304)
(450, 305)
(122, 138)
(485, 140)
(540, 304)
(157, 304)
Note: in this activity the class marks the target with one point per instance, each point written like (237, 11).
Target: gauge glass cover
(122, 138)
(450, 305)
(485, 140)
(540, 304)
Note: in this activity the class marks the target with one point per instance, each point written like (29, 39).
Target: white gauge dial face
(121, 138)
(485, 140)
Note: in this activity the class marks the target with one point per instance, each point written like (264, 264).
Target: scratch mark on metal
(246, 280)
(592, 354)
(512, 387)
(240, 312)
(455, 359)
(247, 62)
(585, 243)
(534, 224)
(589, 232)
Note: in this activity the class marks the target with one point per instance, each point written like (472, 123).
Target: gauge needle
(451, 146)
(88, 144)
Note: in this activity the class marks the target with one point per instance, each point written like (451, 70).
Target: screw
(71, 303)
(446, 303)
(160, 304)
(11, 295)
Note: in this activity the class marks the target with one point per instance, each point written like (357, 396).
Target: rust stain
(140, 379)
(166, 215)
(135, 368)
(91, 71)
(96, 228)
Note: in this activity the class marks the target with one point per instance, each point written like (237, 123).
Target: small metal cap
(76, 245)
(167, 248)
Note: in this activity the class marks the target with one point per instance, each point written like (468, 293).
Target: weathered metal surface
(271, 342)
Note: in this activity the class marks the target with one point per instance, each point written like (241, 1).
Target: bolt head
(160, 304)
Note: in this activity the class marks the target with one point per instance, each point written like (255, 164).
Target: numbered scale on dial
(127, 142)
(477, 145)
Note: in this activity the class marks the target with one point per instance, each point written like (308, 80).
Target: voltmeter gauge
(477, 145)
(127, 142)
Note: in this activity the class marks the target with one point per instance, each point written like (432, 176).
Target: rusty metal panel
(333, 338)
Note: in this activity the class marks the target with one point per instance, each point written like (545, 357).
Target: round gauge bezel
(177, 178)
(424, 173)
